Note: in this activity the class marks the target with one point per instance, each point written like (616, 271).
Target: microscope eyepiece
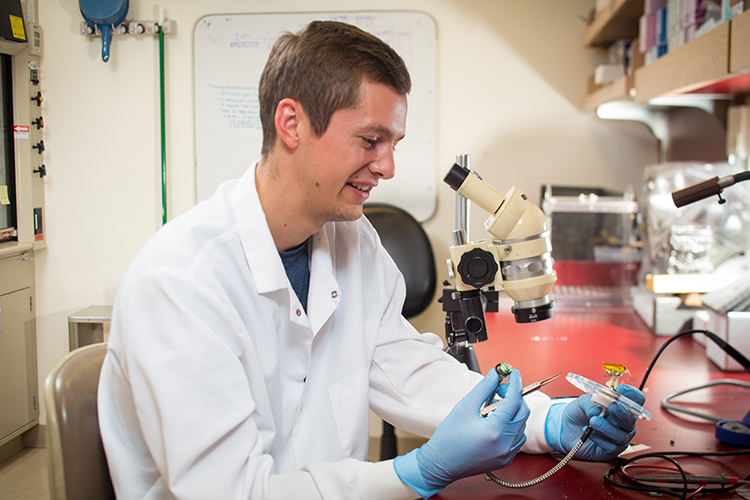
(456, 176)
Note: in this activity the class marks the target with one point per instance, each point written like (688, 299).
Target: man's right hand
(465, 443)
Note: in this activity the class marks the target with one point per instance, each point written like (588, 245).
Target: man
(251, 335)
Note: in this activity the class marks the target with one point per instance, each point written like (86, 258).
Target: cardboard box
(605, 73)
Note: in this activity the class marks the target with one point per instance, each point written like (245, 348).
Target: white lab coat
(217, 384)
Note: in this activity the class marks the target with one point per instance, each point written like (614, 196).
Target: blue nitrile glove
(611, 434)
(465, 443)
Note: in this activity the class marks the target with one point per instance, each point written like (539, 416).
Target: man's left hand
(611, 433)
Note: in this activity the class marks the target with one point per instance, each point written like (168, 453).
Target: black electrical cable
(676, 492)
(719, 341)
(634, 485)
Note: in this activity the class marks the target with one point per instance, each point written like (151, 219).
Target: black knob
(477, 267)
(39, 146)
(42, 171)
(39, 122)
(38, 98)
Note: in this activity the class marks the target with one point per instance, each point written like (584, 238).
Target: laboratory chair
(407, 242)
(76, 464)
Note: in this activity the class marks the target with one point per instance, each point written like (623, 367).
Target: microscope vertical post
(463, 351)
(463, 206)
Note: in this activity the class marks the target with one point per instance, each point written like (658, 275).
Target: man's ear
(287, 121)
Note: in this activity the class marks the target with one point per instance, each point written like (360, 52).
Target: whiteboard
(230, 52)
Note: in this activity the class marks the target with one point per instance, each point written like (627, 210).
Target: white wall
(511, 76)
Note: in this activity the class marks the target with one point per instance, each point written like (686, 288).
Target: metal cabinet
(18, 369)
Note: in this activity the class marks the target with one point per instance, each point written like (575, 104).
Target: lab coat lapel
(324, 294)
(255, 236)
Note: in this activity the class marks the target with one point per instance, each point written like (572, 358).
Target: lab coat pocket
(350, 403)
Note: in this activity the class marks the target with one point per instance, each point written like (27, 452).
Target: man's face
(341, 167)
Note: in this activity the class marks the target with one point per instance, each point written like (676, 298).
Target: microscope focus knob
(477, 267)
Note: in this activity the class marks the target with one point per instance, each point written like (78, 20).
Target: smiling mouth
(362, 187)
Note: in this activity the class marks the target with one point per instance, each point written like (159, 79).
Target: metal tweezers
(526, 390)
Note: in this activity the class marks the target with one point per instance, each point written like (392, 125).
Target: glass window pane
(7, 164)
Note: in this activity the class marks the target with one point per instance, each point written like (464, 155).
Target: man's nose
(385, 166)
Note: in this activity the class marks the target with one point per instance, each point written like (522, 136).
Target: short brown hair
(322, 67)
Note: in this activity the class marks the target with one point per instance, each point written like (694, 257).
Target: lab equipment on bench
(614, 372)
(598, 249)
(604, 396)
(518, 261)
(569, 433)
(734, 432)
(601, 395)
(682, 245)
(735, 297)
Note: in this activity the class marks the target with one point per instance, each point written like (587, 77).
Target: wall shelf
(717, 62)
(619, 21)
(739, 40)
(613, 91)
(697, 64)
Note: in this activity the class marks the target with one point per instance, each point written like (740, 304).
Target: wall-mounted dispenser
(104, 15)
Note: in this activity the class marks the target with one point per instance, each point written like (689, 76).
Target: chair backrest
(76, 464)
(408, 244)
